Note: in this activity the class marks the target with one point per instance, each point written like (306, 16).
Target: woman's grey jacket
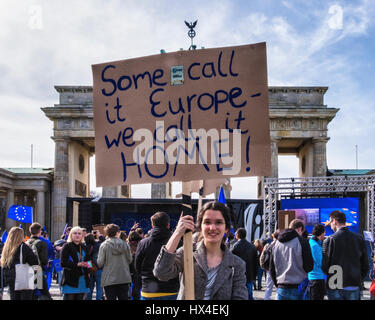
(230, 283)
(114, 257)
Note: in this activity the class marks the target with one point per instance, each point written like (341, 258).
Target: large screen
(317, 210)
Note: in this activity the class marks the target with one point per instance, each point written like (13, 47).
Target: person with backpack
(291, 260)
(264, 261)
(40, 249)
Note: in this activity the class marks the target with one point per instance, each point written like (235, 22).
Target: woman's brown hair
(214, 205)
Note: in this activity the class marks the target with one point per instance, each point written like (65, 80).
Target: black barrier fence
(124, 212)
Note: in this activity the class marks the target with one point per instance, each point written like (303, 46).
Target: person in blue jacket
(51, 256)
(316, 277)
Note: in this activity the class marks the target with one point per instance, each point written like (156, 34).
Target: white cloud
(335, 21)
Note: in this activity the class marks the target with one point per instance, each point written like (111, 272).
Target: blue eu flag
(4, 236)
(21, 213)
(222, 196)
(224, 201)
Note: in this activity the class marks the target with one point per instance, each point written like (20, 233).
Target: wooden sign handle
(200, 195)
(188, 244)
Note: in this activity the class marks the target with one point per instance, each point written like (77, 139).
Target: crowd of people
(120, 266)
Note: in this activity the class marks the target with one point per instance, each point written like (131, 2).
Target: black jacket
(94, 253)
(147, 251)
(247, 252)
(69, 259)
(347, 250)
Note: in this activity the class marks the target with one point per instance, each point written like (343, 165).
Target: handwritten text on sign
(180, 116)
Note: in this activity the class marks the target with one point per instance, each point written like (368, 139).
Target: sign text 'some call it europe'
(180, 116)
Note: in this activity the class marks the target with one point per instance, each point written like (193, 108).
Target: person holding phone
(74, 261)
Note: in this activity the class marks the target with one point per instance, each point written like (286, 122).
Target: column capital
(276, 139)
(320, 139)
(61, 139)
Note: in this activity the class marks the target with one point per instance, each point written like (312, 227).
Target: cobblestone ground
(258, 294)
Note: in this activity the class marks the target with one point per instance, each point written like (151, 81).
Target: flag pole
(188, 244)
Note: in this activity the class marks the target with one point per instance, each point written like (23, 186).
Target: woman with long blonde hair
(11, 256)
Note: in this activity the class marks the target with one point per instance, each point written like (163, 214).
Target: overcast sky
(309, 43)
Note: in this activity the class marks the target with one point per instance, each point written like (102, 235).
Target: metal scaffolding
(275, 188)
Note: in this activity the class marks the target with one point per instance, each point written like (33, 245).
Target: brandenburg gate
(298, 126)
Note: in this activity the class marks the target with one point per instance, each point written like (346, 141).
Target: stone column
(117, 192)
(161, 190)
(10, 201)
(319, 156)
(126, 191)
(110, 192)
(274, 165)
(60, 187)
(40, 208)
(274, 156)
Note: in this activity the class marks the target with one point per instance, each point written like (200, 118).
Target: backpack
(265, 257)
(32, 244)
(38, 271)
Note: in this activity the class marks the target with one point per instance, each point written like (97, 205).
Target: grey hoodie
(291, 259)
(114, 257)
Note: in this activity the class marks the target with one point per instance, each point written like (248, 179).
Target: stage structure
(275, 188)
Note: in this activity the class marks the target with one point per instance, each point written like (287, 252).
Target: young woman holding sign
(218, 274)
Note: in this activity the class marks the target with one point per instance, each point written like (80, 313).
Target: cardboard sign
(285, 217)
(181, 116)
(100, 228)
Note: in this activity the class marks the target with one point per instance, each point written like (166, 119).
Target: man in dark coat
(147, 251)
(345, 260)
(247, 252)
